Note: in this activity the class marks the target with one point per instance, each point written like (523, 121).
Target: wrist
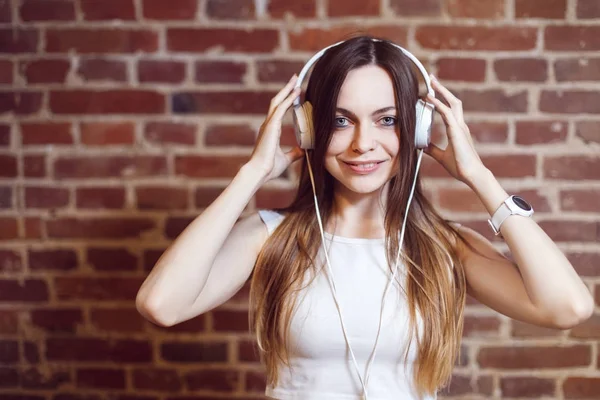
(252, 175)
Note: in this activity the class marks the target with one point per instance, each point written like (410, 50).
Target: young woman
(322, 300)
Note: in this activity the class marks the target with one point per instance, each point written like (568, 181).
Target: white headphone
(305, 136)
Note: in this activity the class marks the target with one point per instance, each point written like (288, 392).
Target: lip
(358, 167)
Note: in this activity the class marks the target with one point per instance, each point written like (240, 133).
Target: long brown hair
(435, 284)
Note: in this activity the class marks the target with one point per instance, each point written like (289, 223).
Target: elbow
(149, 308)
(578, 313)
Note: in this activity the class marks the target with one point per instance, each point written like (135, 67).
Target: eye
(389, 121)
(339, 122)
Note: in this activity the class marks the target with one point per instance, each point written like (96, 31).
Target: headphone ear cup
(303, 124)
(424, 122)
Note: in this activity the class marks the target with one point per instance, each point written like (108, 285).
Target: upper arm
(232, 266)
(495, 281)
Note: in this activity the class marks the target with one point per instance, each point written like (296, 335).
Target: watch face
(521, 203)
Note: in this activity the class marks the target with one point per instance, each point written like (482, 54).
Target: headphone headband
(319, 54)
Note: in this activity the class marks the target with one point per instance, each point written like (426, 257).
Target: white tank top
(321, 365)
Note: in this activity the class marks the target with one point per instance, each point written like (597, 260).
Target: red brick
(8, 166)
(511, 166)
(161, 198)
(222, 102)
(194, 351)
(538, 132)
(6, 72)
(597, 296)
(171, 10)
(170, 133)
(464, 385)
(6, 197)
(274, 198)
(99, 69)
(9, 351)
(221, 380)
(47, 10)
(6, 11)
(581, 388)
(23, 290)
(231, 9)
(41, 133)
(521, 70)
(9, 321)
(476, 38)
(204, 196)
(570, 231)
(112, 40)
(489, 132)
(229, 135)
(255, 381)
(571, 167)
(175, 225)
(230, 40)
(46, 197)
(572, 38)
(220, 72)
(46, 71)
(34, 165)
(577, 69)
(230, 321)
(126, 320)
(480, 9)
(299, 9)
(589, 329)
(570, 102)
(10, 261)
(527, 387)
(20, 103)
(111, 259)
(477, 326)
(31, 351)
(110, 166)
(588, 9)
(314, 39)
(57, 320)
(416, 7)
(588, 131)
(107, 102)
(33, 227)
(493, 100)
(585, 263)
(523, 330)
(534, 357)
(161, 71)
(193, 325)
(209, 166)
(461, 69)
(344, 8)
(94, 10)
(98, 228)
(100, 378)
(277, 70)
(107, 133)
(15, 40)
(97, 288)
(156, 379)
(4, 135)
(548, 9)
(587, 200)
(52, 259)
(460, 200)
(100, 197)
(248, 351)
(93, 349)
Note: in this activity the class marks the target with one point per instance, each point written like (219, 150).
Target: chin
(365, 184)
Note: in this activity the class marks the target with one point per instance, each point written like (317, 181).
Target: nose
(364, 139)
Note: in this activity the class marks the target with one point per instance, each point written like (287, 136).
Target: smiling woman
(361, 261)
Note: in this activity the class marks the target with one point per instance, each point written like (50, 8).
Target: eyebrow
(351, 114)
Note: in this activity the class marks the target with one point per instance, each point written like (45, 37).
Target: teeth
(366, 166)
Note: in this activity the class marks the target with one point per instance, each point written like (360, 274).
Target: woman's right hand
(267, 156)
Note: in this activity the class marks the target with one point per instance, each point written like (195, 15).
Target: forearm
(549, 278)
(181, 272)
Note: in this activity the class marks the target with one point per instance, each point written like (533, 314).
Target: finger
(445, 111)
(434, 151)
(454, 102)
(282, 107)
(285, 91)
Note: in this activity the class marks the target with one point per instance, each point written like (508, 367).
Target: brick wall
(121, 119)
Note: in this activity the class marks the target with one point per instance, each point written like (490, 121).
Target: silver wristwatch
(511, 206)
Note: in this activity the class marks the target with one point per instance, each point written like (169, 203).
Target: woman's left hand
(459, 158)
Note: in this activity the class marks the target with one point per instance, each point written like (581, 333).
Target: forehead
(366, 89)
